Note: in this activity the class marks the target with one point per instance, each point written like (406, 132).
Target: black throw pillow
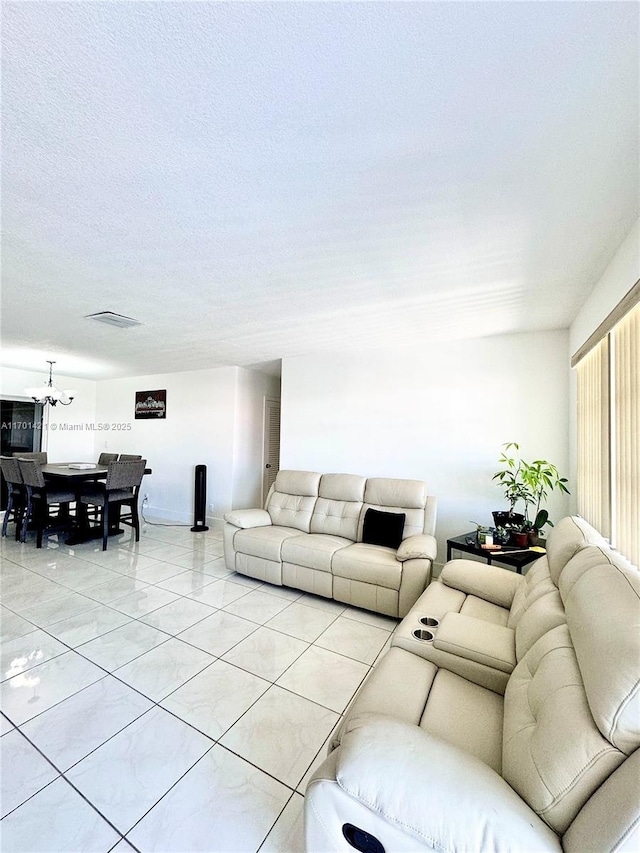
(383, 528)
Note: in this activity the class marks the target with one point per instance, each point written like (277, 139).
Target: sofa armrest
(490, 583)
(477, 640)
(422, 546)
(426, 789)
(248, 518)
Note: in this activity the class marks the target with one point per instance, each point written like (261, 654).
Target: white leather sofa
(310, 535)
(516, 729)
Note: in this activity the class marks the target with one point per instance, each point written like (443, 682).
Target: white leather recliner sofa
(494, 736)
(310, 536)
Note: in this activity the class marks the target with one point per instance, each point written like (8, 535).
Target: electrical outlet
(145, 499)
(210, 507)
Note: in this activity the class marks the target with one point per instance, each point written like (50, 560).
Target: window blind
(593, 472)
(626, 338)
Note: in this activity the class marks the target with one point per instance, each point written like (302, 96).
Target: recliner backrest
(292, 498)
(572, 704)
(390, 495)
(337, 510)
(565, 540)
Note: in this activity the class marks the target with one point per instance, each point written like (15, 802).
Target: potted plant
(540, 478)
(530, 482)
(509, 477)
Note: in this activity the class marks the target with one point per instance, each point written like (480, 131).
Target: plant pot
(520, 539)
(532, 538)
(503, 518)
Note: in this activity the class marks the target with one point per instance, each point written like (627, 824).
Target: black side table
(467, 543)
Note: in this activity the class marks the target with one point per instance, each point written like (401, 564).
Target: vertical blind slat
(627, 409)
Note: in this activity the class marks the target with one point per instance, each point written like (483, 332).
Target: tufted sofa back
(292, 498)
(408, 496)
(572, 704)
(339, 505)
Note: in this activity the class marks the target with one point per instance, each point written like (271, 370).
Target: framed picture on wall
(150, 405)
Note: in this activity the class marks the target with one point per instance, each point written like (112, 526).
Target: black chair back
(39, 455)
(11, 471)
(129, 457)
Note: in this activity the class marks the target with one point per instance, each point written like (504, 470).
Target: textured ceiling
(260, 180)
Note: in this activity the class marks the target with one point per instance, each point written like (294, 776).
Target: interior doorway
(271, 452)
(21, 431)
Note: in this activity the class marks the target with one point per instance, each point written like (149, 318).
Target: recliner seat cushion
(312, 551)
(370, 564)
(264, 542)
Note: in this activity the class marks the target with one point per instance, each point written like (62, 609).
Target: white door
(271, 453)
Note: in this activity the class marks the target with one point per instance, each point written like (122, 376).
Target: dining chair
(16, 494)
(128, 457)
(41, 498)
(107, 458)
(39, 455)
(121, 488)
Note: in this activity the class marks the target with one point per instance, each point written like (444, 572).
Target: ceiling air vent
(112, 319)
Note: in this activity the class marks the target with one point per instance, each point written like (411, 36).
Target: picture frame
(150, 405)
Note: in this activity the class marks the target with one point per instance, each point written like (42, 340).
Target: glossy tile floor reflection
(152, 701)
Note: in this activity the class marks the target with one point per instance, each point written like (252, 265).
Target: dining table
(73, 475)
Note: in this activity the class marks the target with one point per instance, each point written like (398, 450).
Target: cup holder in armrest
(424, 635)
(429, 621)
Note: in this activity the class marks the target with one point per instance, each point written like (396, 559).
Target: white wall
(69, 431)
(211, 420)
(438, 413)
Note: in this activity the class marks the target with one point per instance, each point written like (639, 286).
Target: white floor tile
(219, 593)
(25, 771)
(216, 698)
(321, 603)
(87, 625)
(266, 653)
(222, 805)
(281, 734)
(218, 633)
(287, 835)
(5, 725)
(75, 727)
(20, 655)
(194, 560)
(353, 639)
(156, 750)
(388, 623)
(162, 670)
(324, 677)
(26, 695)
(177, 616)
(298, 620)
(143, 601)
(118, 647)
(187, 583)
(258, 606)
(13, 626)
(57, 820)
(116, 588)
(49, 612)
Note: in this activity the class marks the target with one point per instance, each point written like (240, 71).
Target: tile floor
(152, 701)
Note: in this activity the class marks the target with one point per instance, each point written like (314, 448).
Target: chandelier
(50, 393)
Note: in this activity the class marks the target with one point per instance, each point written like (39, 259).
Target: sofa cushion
(553, 753)
(342, 487)
(313, 551)
(383, 528)
(481, 609)
(368, 563)
(386, 494)
(608, 653)
(293, 498)
(454, 710)
(566, 538)
(264, 542)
